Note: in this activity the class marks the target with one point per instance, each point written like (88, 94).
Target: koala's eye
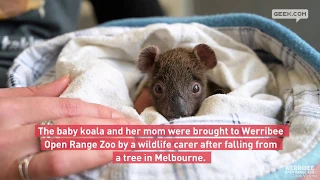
(158, 89)
(196, 88)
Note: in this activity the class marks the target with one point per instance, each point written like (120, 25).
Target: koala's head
(177, 78)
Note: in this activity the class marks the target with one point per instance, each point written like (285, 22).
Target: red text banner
(162, 157)
(162, 130)
(193, 144)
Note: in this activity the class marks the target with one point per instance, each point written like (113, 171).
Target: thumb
(54, 89)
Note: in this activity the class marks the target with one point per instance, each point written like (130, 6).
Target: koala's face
(178, 84)
(178, 78)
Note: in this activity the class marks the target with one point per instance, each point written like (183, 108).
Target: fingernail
(117, 115)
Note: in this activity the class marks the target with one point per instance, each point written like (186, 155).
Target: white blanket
(102, 64)
(104, 70)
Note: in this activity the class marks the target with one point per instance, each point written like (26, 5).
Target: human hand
(23, 108)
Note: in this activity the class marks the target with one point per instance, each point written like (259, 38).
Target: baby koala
(177, 78)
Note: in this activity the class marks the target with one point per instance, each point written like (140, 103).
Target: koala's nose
(179, 107)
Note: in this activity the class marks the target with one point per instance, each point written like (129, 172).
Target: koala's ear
(147, 58)
(206, 55)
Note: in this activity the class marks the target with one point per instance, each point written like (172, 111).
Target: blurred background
(307, 29)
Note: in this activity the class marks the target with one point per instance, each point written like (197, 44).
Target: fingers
(62, 163)
(51, 89)
(56, 163)
(15, 145)
(37, 109)
(96, 121)
(25, 139)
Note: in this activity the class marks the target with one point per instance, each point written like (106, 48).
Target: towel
(102, 64)
(104, 70)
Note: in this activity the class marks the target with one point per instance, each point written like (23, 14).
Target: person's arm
(18, 32)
